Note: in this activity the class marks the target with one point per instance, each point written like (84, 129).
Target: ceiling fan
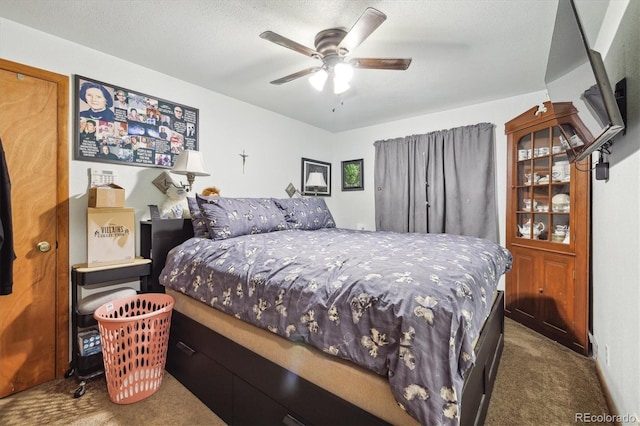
(333, 47)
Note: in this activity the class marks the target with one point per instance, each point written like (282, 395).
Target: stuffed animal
(212, 190)
(175, 206)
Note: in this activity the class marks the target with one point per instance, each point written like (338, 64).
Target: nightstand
(157, 237)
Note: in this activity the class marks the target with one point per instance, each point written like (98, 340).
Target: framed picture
(316, 177)
(117, 125)
(352, 175)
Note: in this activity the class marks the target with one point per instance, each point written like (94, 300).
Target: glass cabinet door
(543, 186)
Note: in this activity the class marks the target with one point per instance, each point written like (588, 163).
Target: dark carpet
(540, 382)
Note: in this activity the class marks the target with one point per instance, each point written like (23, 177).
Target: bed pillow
(197, 219)
(231, 217)
(288, 207)
(306, 213)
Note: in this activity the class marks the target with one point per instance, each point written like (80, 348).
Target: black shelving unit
(88, 367)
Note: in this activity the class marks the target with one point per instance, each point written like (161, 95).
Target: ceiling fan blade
(364, 26)
(381, 63)
(295, 75)
(290, 44)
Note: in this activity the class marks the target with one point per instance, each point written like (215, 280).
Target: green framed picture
(352, 175)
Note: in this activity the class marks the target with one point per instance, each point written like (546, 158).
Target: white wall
(275, 144)
(616, 222)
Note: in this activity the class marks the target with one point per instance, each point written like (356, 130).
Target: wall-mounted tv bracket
(602, 168)
(620, 93)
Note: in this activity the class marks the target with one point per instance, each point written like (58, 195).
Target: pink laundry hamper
(135, 336)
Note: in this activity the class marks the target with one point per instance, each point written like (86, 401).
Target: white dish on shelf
(561, 199)
(560, 208)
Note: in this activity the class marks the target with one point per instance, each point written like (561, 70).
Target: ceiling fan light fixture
(318, 80)
(343, 71)
(333, 47)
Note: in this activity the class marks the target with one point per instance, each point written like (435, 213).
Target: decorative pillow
(231, 217)
(306, 213)
(197, 219)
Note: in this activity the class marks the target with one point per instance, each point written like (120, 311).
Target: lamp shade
(189, 162)
(318, 79)
(343, 71)
(316, 179)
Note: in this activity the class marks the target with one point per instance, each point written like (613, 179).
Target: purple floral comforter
(406, 306)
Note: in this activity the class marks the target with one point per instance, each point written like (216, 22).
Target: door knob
(43, 246)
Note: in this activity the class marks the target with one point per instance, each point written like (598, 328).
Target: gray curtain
(442, 181)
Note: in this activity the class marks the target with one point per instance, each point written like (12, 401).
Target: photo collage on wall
(119, 125)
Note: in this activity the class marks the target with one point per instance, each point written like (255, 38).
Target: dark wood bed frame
(241, 387)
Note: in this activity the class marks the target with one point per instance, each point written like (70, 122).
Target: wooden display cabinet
(548, 224)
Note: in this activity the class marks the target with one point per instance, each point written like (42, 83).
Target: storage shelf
(82, 275)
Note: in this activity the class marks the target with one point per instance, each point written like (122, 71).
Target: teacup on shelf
(561, 171)
(523, 154)
(576, 141)
(531, 178)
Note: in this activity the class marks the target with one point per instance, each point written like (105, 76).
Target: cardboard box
(110, 236)
(109, 195)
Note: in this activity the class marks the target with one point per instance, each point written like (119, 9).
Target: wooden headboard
(157, 237)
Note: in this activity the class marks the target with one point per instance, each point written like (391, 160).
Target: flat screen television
(575, 73)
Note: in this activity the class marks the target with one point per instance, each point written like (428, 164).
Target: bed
(320, 325)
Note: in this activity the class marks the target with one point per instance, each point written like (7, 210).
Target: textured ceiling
(464, 51)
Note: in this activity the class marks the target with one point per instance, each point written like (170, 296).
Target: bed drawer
(244, 388)
(305, 402)
(252, 407)
(204, 377)
(479, 380)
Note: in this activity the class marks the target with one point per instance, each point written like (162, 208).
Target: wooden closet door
(34, 318)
